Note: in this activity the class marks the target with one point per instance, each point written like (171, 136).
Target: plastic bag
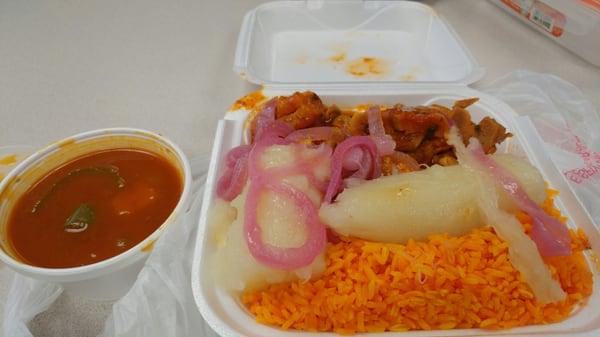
(566, 121)
(161, 302)
(26, 298)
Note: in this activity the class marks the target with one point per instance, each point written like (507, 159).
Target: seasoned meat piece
(304, 117)
(386, 118)
(464, 103)
(337, 136)
(398, 162)
(331, 114)
(343, 123)
(352, 123)
(446, 158)
(442, 109)
(490, 133)
(407, 142)
(287, 105)
(426, 152)
(419, 120)
(462, 119)
(359, 124)
(300, 110)
(409, 127)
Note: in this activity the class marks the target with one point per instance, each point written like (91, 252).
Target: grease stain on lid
(302, 59)
(338, 58)
(408, 77)
(367, 67)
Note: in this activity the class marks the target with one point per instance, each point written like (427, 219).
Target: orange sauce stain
(302, 59)
(249, 101)
(408, 77)
(8, 160)
(361, 107)
(1, 176)
(338, 58)
(64, 143)
(148, 248)
(367, 66)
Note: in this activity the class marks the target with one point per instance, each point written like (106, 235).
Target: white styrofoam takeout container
(263, 58)
(110, 278)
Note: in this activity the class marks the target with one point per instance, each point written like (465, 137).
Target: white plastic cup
(113, 277)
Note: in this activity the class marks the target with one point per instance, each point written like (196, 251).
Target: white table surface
(68, 66)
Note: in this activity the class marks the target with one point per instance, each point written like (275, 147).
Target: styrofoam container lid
(317, 41)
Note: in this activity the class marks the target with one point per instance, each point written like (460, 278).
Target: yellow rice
(443, 283)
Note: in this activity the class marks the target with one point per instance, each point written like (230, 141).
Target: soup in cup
(85, 212)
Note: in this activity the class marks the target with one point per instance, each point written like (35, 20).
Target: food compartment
(228, 316)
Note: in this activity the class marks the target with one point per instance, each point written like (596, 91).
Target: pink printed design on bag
(591, 160)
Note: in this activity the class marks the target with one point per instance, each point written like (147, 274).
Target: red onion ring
(265, 117)
(550, 235)
(277, 257)
(306, 167)
(270, 179)
(385, 143)
(358, 154)
(267, 125)
(232, 182)
(359, 162)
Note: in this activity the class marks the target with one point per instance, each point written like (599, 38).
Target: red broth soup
(93, 208)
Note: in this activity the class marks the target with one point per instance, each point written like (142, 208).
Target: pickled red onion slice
(359, 161)
(271, 179)
(523, 251)
(235, 154)
(276, 129)
(277, 257)
(385, 143)
(550, 235)
(232, 182)
(269, 131)
(259, 146)
(357, 154)
(265, 117)
(267, 125)
(306, 167)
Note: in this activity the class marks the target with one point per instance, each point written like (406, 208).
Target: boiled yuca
(418, 204)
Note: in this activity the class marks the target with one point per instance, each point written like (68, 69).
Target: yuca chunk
(418, 204)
